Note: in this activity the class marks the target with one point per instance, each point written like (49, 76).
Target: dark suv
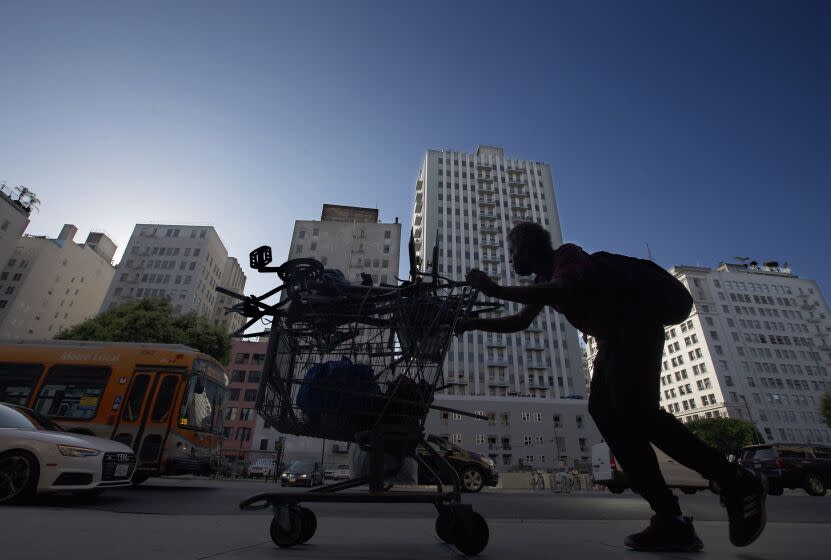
(474, 471)
(791, 466)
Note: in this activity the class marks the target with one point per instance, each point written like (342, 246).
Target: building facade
(354, 241)
(182, 263)
(755, 346)
(52, 284)
(14, 217)
(233, 278)
(245, 369)
(467, 203)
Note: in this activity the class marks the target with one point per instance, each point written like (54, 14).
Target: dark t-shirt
(584, 307)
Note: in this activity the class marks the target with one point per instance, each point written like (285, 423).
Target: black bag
(642, 286)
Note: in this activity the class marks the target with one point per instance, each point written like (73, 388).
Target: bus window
(132, 406)
(202, 405)
(72, 392)
(164, 398)
(17, 382)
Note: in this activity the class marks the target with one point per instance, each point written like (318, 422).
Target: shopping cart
(360, 364)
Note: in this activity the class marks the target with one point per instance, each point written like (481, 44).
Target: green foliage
(825, 408)
(728, 435)
(152, 320)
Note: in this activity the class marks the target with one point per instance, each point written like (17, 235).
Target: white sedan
(38, 456)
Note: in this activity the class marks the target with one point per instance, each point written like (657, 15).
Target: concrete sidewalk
(37, 533)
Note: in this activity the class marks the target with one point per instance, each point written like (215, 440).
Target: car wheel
(616, 489)
(814, 485)
(472, 479)
(19, 473)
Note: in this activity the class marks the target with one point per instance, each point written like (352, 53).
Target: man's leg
(626, 436)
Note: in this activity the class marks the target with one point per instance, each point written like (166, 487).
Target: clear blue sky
(699, 127)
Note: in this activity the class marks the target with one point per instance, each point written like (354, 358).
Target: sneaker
(666, 534)
(744, 497)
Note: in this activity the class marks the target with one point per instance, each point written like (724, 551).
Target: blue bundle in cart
(337, 387)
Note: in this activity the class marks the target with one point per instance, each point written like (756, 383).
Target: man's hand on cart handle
(479, 280)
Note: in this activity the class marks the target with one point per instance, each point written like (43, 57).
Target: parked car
(607, 472)
(342, 472)
(329, 473)
(475, 471)
(38, 456)
(261, 468)
(302, 473)
(791, 466)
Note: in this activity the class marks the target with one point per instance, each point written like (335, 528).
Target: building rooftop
(6, 195)
(338, 213)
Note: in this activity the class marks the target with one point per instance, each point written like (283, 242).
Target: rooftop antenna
(649, 252)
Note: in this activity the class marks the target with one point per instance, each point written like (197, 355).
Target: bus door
(146, 414)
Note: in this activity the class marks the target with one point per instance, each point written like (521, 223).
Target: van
(261, 468)
(606, 471)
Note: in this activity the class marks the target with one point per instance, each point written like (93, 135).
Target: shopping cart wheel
(472, 538)
(444, 526)
(309, 525)
(287, 528)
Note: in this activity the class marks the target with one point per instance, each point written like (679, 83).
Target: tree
(728, 435)
(825, 407)
(152, 320)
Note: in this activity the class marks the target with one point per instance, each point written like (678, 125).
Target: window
(241, 358)
(480, 439)
(233, 395)
(250, 394)
(254, 376)
(456, 438)
(164, 398)
(246, 414)
(231, 413)
(17, 382)
(264, 442)
(237, 376)
(135, 399)
(243, 434)
(72, 392)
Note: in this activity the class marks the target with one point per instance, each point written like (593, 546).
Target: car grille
(113, 459)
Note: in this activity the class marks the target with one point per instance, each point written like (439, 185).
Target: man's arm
(536, 294)
(509, 324)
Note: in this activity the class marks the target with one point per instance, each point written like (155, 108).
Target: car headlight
(72, 451)
(304, 476)
(489, 462)
(182, 447)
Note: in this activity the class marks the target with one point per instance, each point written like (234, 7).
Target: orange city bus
(163, 400)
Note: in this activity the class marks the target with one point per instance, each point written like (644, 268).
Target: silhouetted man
(621, 301)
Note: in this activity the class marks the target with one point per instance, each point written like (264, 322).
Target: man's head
(528, 244)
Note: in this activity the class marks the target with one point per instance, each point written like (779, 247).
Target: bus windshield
(202, 405)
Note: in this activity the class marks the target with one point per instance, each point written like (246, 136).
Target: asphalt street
(194, 496)
(199, 519)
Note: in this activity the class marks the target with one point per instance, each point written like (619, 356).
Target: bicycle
(537, 481)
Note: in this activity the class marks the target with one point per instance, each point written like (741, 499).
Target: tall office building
(756, 346)
(233, 278)
(14, 217)
(354, 241)
(51, 284)
(468, 202)
(182, 263)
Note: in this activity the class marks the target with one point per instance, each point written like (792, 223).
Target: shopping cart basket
(360, 364)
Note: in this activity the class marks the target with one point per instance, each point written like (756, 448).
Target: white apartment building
(14, 217)
(51, 284)
(471, 201)
(182, 263)
(233, 278)
(354, 241)
(756, 346)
